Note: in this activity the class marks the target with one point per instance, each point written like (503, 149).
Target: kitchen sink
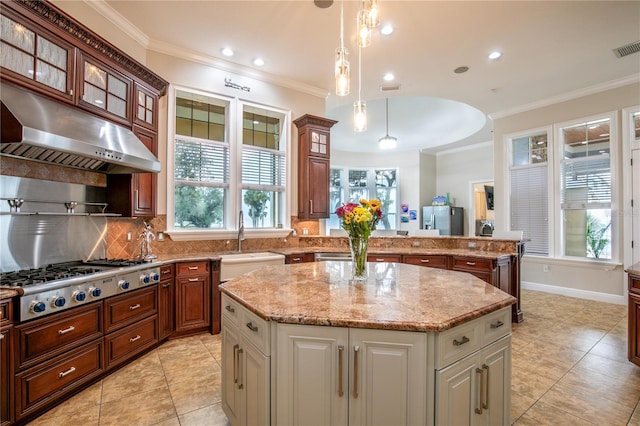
(235, 264)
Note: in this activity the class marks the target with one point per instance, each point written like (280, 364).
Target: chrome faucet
(240, 231)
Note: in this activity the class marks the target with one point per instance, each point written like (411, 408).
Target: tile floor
(569, 368)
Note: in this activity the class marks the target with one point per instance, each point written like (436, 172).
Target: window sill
(606, 265)
(200, 235)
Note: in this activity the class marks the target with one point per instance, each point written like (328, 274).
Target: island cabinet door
(388, 377)
(231, 393)
(476, 390)
(312, 375)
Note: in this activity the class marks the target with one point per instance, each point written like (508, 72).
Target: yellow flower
(358, 219)
(375, 204)
(364, 201)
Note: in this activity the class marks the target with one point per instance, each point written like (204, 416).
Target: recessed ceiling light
(389, 76)
(495, 54)
(227, 51)
(386, 29)
(258, 62)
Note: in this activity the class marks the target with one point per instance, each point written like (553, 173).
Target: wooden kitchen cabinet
(130, 307)
(6, 363)
(350, 376)
(246, 379)
(432, 261)
(127, 342)
(216, 297)
(634, 319)
(193, 297)
(135, 194)
(299, 258)
(313, 166)
(166, 301)
(145, 107)
(384, 258)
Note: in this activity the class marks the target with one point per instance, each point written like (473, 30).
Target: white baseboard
(574, 292)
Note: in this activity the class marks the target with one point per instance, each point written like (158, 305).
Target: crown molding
(624, 81)
(464, 148)
(119, 21)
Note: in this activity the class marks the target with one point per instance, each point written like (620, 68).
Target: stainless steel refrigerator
(449, 220)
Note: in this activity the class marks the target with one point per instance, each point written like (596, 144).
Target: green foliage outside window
(597, 241)
(198, 207)
(257, 202)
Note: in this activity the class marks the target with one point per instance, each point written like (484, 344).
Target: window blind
(586, 183)
(201, 162)
(263, 169)
(529, 206)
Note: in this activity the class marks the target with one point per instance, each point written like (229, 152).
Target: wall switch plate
(160, 236)
(472, 244)
(129, 236)
(545, 268)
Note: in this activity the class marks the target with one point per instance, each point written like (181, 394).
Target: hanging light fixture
(363, 27)
(359, 106)
(374, 17)
(342, 65)
(387, 142)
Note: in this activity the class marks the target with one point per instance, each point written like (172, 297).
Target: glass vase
(359, 247)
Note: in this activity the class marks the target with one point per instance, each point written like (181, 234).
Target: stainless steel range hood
(37, 128)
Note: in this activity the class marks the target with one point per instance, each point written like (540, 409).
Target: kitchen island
(412, 345)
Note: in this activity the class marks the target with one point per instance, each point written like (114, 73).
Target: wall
(582, 279)
(457, 169)
(416, 175)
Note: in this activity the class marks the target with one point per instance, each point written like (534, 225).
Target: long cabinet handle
(340, 355)
(235, 363)
(310, 206)
(240, 385)
(479, 405)
(486, 389)
(356, 350)
(65, 373)
(66, 330)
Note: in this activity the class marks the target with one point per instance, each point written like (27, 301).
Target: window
(351, 185)
(562, 191)
(585, 189)
(529, 190)
(218, 170)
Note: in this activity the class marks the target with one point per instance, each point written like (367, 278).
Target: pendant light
(363, 28)
(374, 17)
(359, 106)
(387, 142)
(342, 65)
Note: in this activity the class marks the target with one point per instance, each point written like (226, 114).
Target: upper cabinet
(145, 108)
(313, 166)
(33, 57)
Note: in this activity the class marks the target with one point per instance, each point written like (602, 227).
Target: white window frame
(233, 206)
(615, 174)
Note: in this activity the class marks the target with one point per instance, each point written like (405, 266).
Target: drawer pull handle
(471, 263)
(193, 268)
(340, 353)
(230, 308)
(133, 339)
(192, 280)
(297, 259)
(379, 260)
(464, 340)
(166, 271)
(424, 260)
(252, 327)
(166, 285)
(66, 330)
(498, 324)
(134, 307)
(66, 373)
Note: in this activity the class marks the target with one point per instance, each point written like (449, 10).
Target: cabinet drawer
(6, 311)
(231, 309)
(383, 258)
(58, 333)
(34, 387)
(130, 307)
(471, 263)
(167, 271)
(457, 342)
(496, 325)
(634, 284)
(255, 329)
(433, 261)
(193, 268)
(122, 345)
(299, 258)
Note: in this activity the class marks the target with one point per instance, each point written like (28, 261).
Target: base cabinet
(476, 390)
(6, 363)
(332, 375)
(634, 319)
(193, 297)
(246, 372)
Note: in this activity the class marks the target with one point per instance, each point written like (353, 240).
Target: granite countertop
(396, 296)
(7, 293)
(634, 269)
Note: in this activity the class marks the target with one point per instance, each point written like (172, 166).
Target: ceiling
(550, 49)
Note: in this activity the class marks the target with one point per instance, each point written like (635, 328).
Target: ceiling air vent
(627, 49)
(389, 88)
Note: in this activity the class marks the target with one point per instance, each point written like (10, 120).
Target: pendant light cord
(387, 102)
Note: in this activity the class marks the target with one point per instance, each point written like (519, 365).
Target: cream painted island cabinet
(303, 345)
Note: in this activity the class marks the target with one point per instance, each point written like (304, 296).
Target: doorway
(482, 211)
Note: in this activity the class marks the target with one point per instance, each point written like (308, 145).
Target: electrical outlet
(472, 244)
(416, 243)
(545, 268)
(161, 236)
(129, 236)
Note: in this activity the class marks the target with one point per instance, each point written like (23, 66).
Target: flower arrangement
(359, 220)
